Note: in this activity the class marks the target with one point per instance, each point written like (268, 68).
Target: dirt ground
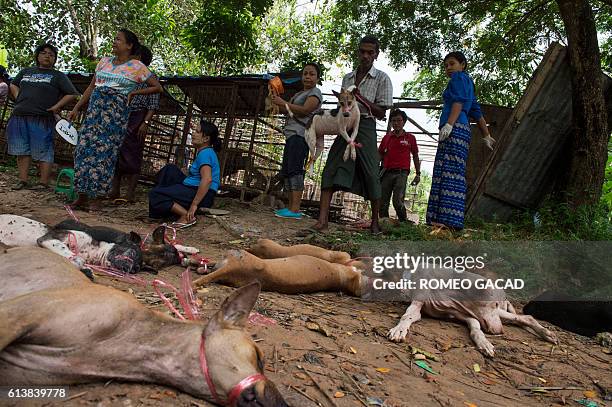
(355, 365)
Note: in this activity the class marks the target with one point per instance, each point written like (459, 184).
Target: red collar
(236, 390)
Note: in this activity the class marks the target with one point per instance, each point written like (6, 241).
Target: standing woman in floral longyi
(109, 94)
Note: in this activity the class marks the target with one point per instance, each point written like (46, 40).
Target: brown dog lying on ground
(269, 249)
(290, 275)
(58, 328)
(301, 272)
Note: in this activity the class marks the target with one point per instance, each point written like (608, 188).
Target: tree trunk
(584, 178)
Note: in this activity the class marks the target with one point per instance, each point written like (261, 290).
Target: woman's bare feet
(320, 226)
(375, 228)
(437, 225)
(81, 203)
(95, 205)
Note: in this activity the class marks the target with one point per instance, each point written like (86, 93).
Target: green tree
(504, 41)
(292, 35)
(187, 36)
(225, 35)
(17, 34)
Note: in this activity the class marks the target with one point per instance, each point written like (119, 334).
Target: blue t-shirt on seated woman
(204, 157)
(460, 89)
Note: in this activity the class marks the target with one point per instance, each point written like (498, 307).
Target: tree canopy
(188, 37)
(503, 40)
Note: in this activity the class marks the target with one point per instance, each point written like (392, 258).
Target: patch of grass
(557, 222)
(9, 165)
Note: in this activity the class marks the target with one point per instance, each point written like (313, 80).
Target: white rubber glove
(445, 131)
(489, 141)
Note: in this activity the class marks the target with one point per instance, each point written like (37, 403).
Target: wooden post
(174, 130)
(247, 175)
(229, 126)
(180, 152)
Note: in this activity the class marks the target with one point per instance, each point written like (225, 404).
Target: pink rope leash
(364, 102)
(185, 297)
(120, 275)
(71, 213)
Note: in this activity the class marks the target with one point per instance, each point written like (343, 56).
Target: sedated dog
(57, 328)
(306, 269)
(98, 245)
(333, 122)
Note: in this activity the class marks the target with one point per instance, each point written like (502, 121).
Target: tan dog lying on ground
(58, 328)
(269, 249)
(297, 274)
(300, 273)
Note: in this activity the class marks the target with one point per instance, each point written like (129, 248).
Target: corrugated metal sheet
(479, 154)
(523, 166)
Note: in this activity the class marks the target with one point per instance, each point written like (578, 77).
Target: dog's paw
(88, 273)
(79, 262)
(484, 346)
(347, 152)
(398, 333)
(550, 336)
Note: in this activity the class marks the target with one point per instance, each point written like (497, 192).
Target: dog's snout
(346, 114)
(127, 267)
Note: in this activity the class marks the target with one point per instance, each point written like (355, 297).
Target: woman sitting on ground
(180, 195)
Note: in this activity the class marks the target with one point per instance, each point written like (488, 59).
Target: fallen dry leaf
(353, 350)
(313, 326)
(383, 369)
(469, 404)
(338, 394)
(590, 394)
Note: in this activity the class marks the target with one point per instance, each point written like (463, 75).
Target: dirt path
(356, 365)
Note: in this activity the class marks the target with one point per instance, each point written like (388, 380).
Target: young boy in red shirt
(395, 149)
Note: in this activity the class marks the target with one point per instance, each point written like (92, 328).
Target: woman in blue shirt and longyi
(446, 205)
(180, 195)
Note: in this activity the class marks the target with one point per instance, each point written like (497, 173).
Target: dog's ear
(236, 308)
(159, 234)
(336, 94)
(134, 238)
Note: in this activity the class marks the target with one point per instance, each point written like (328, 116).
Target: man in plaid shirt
(375, 95)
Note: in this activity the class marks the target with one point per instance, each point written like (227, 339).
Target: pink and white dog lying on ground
(96, 245)
(333, 122)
